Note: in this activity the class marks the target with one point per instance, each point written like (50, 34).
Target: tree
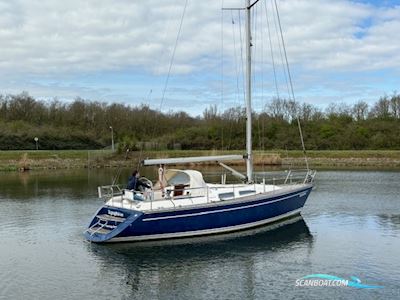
(395, 105)
(381, 108)
(360, 111)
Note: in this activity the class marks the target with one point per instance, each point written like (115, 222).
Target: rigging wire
(116, 177)
(235, 56)
(237, 76)
(261, 117)
(243, 68)
(144, 123)
(170, 66)
(258, 36)
(280, 49)
(271, 51)
(261, 133)
(241, 58)
(222, 69)
(173, 55)
(255, 44)
(291, 85)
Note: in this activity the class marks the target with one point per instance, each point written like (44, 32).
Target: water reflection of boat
(226, 262)
(181, 204)
(209, 248)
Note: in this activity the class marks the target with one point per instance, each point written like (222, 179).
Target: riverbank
(67, 159)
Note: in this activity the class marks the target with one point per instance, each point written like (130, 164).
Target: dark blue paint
(137, 227)
(131, 216)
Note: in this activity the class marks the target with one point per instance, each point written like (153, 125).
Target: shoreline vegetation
(23, 160)
(28, 123)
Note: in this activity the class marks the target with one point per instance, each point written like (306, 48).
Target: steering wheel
(146, 181)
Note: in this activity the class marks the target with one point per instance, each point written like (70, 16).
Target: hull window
(224, 196)
(242, 193)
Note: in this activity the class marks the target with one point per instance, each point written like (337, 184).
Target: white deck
(187, 188)
(212, 193)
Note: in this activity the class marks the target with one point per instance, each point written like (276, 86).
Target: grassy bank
(64, 159)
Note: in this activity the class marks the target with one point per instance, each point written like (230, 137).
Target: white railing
(109, 191)
(168, 194)
(296, 176)
(173, 195)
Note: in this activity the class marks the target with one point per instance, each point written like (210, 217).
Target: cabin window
(179, 188)
(224, 196)
(247, 192)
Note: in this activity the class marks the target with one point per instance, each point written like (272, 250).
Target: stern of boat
(108, 222)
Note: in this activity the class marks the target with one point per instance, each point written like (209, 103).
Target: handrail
(288, 175)
(149, 195)
(111, 190)
(172, 194)
(101, 226)
(292, 176)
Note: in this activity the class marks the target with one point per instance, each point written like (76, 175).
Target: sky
(120, 51)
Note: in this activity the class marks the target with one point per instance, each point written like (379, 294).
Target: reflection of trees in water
(53, 183)
(228, 265)
(389, 221)
(75, 183)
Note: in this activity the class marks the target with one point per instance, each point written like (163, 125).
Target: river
(350, 226)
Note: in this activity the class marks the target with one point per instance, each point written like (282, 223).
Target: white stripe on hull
(203, 232)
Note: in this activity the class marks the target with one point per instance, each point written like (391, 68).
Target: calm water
(350, 227)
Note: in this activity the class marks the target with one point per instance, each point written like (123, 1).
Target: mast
(249, 154)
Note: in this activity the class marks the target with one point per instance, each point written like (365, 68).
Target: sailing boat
(182, 204)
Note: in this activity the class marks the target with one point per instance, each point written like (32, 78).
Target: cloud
(43, 40)
(75, 36)
(325, 35)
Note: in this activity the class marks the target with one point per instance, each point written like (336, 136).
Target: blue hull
(212, 218)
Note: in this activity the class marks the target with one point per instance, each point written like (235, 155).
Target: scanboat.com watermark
(332, 281)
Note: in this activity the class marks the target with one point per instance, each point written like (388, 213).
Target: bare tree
(360, 110)
(395, 105)
(381, 108)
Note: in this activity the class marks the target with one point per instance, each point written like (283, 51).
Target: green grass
(66, 159)
(51, 154)
(91, 154)
(393, 154)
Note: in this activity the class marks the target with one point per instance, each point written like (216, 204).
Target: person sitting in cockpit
(134, 183)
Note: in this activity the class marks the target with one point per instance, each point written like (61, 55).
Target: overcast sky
(119, 51)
